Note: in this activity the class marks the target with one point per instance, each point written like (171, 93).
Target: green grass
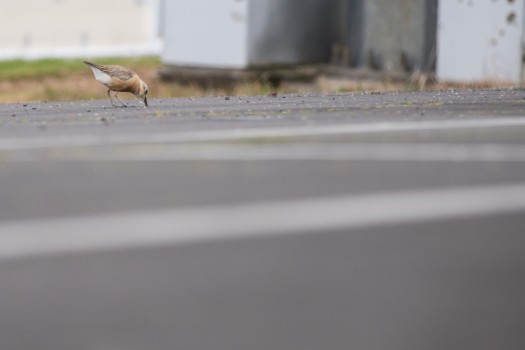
(35, 69)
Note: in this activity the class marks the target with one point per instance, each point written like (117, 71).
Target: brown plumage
(119, 79)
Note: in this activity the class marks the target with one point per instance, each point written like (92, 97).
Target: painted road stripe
(316, 215)
(240, 134)
(413, 152)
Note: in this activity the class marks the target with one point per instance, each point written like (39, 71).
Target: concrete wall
(292, 31)
(248, 33)
(480, 39)
(378, 34)
(391, 36)
(70, 28)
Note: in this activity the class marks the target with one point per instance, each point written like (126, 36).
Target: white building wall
(78, 28)
(209, 33)
(480, 40)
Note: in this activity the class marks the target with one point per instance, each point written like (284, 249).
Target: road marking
(20, 240)
(241, 134)
(414, 152)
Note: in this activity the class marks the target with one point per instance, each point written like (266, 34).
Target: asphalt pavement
(343, 221)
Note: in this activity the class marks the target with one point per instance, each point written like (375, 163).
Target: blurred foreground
(297, 222)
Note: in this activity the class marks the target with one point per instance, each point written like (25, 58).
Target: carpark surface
(375, 221)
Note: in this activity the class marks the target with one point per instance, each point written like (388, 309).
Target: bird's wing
(117, 72)
(103, 73)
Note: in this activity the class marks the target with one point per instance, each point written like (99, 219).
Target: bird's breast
(131, 85)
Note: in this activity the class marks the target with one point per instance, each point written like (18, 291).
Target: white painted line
(20, 240)
(412, 152)
(240, 134)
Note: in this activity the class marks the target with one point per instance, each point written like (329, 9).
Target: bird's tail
(90, 64)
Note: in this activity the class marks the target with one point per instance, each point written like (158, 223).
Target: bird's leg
(109, 95)
(116, 96)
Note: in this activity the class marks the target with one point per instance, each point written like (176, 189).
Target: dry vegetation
(62, 80)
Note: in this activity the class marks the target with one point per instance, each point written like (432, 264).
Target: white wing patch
(100, 75)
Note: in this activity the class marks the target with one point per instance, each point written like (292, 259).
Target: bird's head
(143, 92)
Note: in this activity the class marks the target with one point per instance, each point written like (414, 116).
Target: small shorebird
(119, 79)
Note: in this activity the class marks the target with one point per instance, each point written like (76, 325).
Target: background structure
(476, 40)
(79, 28)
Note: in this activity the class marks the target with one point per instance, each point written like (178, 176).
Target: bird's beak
(145, 101)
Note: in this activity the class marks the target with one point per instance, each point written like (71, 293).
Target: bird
(119, 79)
